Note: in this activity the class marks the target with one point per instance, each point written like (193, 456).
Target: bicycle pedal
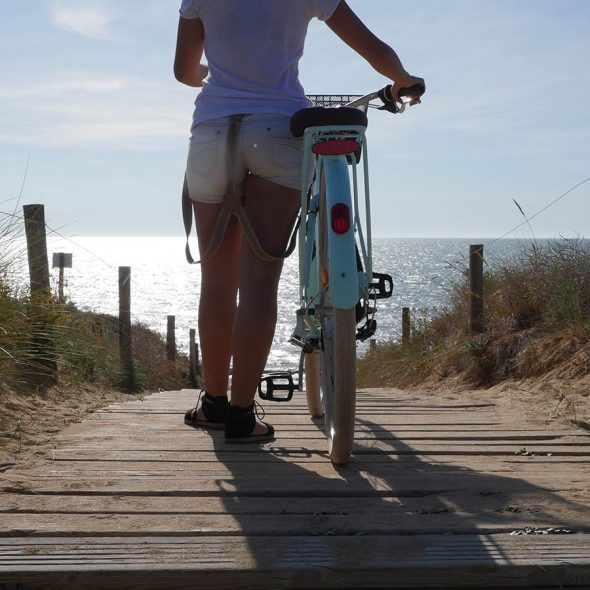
(277, 382)
(365, 332)
(298, 336)
(381, 286)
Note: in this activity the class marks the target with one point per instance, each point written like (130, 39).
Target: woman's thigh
(222, 268)
(272, 210)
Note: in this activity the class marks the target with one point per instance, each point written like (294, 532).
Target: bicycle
(338, 288)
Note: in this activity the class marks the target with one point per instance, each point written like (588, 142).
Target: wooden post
(406, 326)
(61, 260)
(34, 216)
(60, 288)
(476, 318)
(171, 339)
(192, 364)
(193, 360)
(125, 343)
(42, 345)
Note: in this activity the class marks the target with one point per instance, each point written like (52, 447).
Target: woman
(253, 49)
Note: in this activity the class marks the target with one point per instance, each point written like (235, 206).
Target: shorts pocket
(286, 151)
(203, 150)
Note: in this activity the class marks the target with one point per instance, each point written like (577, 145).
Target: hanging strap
(231, 205)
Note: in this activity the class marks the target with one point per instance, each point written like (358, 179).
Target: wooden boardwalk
(443, 490)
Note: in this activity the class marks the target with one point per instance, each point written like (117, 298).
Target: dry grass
(537, 323)
(58, 363)
(44, 343)
(38, 340)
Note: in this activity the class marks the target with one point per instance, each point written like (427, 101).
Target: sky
(88, 101)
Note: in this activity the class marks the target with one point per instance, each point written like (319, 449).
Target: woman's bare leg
(271, 209)
(217, 306)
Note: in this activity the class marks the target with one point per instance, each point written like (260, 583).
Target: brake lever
(388, 105)
(392, 107)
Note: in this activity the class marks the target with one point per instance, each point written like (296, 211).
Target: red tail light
(340, 215)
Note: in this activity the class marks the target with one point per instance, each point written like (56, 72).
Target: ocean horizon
(424, 271)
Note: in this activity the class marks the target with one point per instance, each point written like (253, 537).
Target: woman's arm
(190, 40)
(348, 26)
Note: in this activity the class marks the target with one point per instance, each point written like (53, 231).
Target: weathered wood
(467, 561)
(192, 361)
(34, 218)
(433, 519)
(406, 326)
(43, 360)
(296, 483)
(61, 260)
(476, 301)
(125, 340)
(171, 338)
(134, 498)
(534, 502)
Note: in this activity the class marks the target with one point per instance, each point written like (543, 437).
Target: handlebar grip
(414, 91)
(385, 94)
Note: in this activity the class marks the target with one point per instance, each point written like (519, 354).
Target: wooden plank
(300, 444)
(298, 562)
(516, 503)
(462, 455)
(296, 485)
(524, 467)
(134, 497)
(290, 427)
(396, 521)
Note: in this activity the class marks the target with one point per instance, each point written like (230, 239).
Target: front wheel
(312, 384)
(338, 380)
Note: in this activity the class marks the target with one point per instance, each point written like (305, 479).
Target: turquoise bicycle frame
(346, 285)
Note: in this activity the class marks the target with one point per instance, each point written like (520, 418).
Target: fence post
(192, 358)
(406, 326)
(61, 260)
(125, 342)
(171, 338)
(34, 216)
(476, 317)
(42, 345)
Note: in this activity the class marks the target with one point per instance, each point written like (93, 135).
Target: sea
(163, 283)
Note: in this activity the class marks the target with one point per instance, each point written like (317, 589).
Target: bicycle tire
(312, 384)
(337, 375)
(337, 359)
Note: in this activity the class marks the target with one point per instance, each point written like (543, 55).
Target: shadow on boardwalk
(392, 493)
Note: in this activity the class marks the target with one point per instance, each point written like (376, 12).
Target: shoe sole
(250, 439)
(206, 425)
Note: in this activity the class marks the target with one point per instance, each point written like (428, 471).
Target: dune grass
(537, 323)
(43, 342)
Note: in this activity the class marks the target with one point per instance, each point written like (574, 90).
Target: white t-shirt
(253, 48)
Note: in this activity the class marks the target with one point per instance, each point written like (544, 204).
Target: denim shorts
(265, 148)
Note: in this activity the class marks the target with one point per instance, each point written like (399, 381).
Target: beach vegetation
(44, 343)
(536, 324)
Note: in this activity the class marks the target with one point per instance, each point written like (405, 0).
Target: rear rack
(332, 100)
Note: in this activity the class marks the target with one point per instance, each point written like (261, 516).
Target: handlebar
(389, 104)
(415, 91)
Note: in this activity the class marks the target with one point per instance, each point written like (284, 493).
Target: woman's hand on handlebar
(410, 87)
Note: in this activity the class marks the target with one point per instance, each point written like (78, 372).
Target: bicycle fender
(343, 278)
